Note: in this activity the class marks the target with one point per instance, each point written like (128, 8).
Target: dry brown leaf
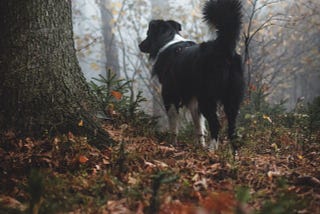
(177, 154)
(161, 164)
(177, 207)
(166, 149)
(272, 174)
(80, 123)
(219, 203)
(140, 208)
(9, 202)
(83, 159)
(200, 185)
(71, 137)
(117, 207)
(116, 94)
(132, 180)
(215, 166)
(105, 161)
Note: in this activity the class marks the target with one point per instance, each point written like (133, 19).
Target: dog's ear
(152, 23)
(175, 25)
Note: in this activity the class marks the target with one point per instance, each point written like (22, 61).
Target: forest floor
(147, 175)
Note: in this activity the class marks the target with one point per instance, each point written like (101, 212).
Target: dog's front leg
(209, 109)
(202, 131)
(198, 121)
(200, 128)
(173, 115)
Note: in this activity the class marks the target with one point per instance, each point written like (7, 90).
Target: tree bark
(42, 88)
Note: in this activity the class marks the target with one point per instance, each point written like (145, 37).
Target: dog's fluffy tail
(225, 16)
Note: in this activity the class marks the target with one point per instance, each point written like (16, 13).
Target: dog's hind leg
(198, 121)
(231, 109)
(234, 94)
(231, 113)
(173, 114)
(209, 111)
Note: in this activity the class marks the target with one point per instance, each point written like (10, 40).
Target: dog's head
(159, 33)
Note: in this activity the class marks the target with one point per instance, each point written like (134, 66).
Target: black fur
(210, 71)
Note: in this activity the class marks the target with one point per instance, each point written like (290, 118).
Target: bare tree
(276, 46)
(159, 9)
(111, 49)
(254, 25)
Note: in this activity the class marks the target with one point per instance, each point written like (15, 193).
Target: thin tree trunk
(159, 9)
(42, 88)
(112, 62)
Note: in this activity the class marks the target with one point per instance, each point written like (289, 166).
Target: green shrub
(118, 101)
(313, 110)
(112, 93)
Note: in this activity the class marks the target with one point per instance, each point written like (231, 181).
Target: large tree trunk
(41, 85)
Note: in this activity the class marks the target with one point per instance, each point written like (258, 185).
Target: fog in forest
(83, 127)
(279, 44)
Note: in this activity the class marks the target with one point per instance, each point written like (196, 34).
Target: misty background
(280, 44)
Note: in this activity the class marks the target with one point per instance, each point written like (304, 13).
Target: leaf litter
(144, 175)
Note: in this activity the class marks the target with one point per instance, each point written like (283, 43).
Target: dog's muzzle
(144, 47)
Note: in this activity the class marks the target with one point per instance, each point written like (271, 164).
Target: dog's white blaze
(177, 38)
(202, 131)
(198, 120)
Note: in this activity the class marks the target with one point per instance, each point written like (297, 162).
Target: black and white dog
(200, 75)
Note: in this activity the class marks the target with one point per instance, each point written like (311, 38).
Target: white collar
(177, 38)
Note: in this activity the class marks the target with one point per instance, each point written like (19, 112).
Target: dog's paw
(173, 139)
(202, 141)
(213, 145)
